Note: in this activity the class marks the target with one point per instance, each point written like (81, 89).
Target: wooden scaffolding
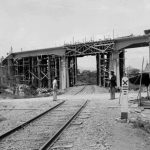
(40, 68)
(103, 51)
(38, 71)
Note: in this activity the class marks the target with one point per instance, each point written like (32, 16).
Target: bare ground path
(95, 129)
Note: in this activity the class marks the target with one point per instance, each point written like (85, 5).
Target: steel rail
(52, 140)
(29, 121)
(80, 90)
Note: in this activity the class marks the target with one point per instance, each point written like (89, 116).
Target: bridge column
(98, 69)
(63, 73)
(122, 64)
(115, 66)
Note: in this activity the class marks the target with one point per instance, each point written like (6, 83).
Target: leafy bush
(87, 77)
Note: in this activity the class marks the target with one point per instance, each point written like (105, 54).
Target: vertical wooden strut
(98, 68)
(57, 70)
(32, 63)
(102, 69)
(75, 70)
(67, 72)
(23, 71)
(9, 71)
(49, 72)
(55, 67)
(39, 72)
(107, 69)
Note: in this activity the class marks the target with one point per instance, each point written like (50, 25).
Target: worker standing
(55, 89)
(112, 85)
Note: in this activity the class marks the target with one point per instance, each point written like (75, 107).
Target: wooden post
(17, 71)
(107, 68)
(32, 61)
(49, 72)
(102, 69)
(39, 72)
(67, 72)
(55, 67)
(75, 70)
(59, 71)
(141, 83)
(8, 71)
(72, 66)
(23, 68)
(148, 88)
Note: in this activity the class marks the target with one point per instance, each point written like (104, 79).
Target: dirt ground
(97, 128)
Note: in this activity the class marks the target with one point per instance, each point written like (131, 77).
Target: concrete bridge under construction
(39, 67)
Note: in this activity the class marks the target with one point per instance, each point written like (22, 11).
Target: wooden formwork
(102, 50)
(38, 71)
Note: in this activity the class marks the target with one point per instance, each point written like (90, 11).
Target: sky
(35, 24)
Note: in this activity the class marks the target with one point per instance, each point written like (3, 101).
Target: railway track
(80, 91)
(42, 131)
(86, 90)
(93, 89)
(27, 122)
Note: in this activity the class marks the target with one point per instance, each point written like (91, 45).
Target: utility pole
(11, 49)
(113, 34)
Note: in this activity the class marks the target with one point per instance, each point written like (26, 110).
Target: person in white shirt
(55, 86)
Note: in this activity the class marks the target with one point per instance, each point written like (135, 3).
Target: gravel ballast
(96, 128)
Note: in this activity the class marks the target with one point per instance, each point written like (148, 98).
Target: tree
(132, 71)
(88, 77)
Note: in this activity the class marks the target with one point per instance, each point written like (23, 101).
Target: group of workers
(112, 86)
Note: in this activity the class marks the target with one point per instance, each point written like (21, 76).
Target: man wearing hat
(112, 85)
